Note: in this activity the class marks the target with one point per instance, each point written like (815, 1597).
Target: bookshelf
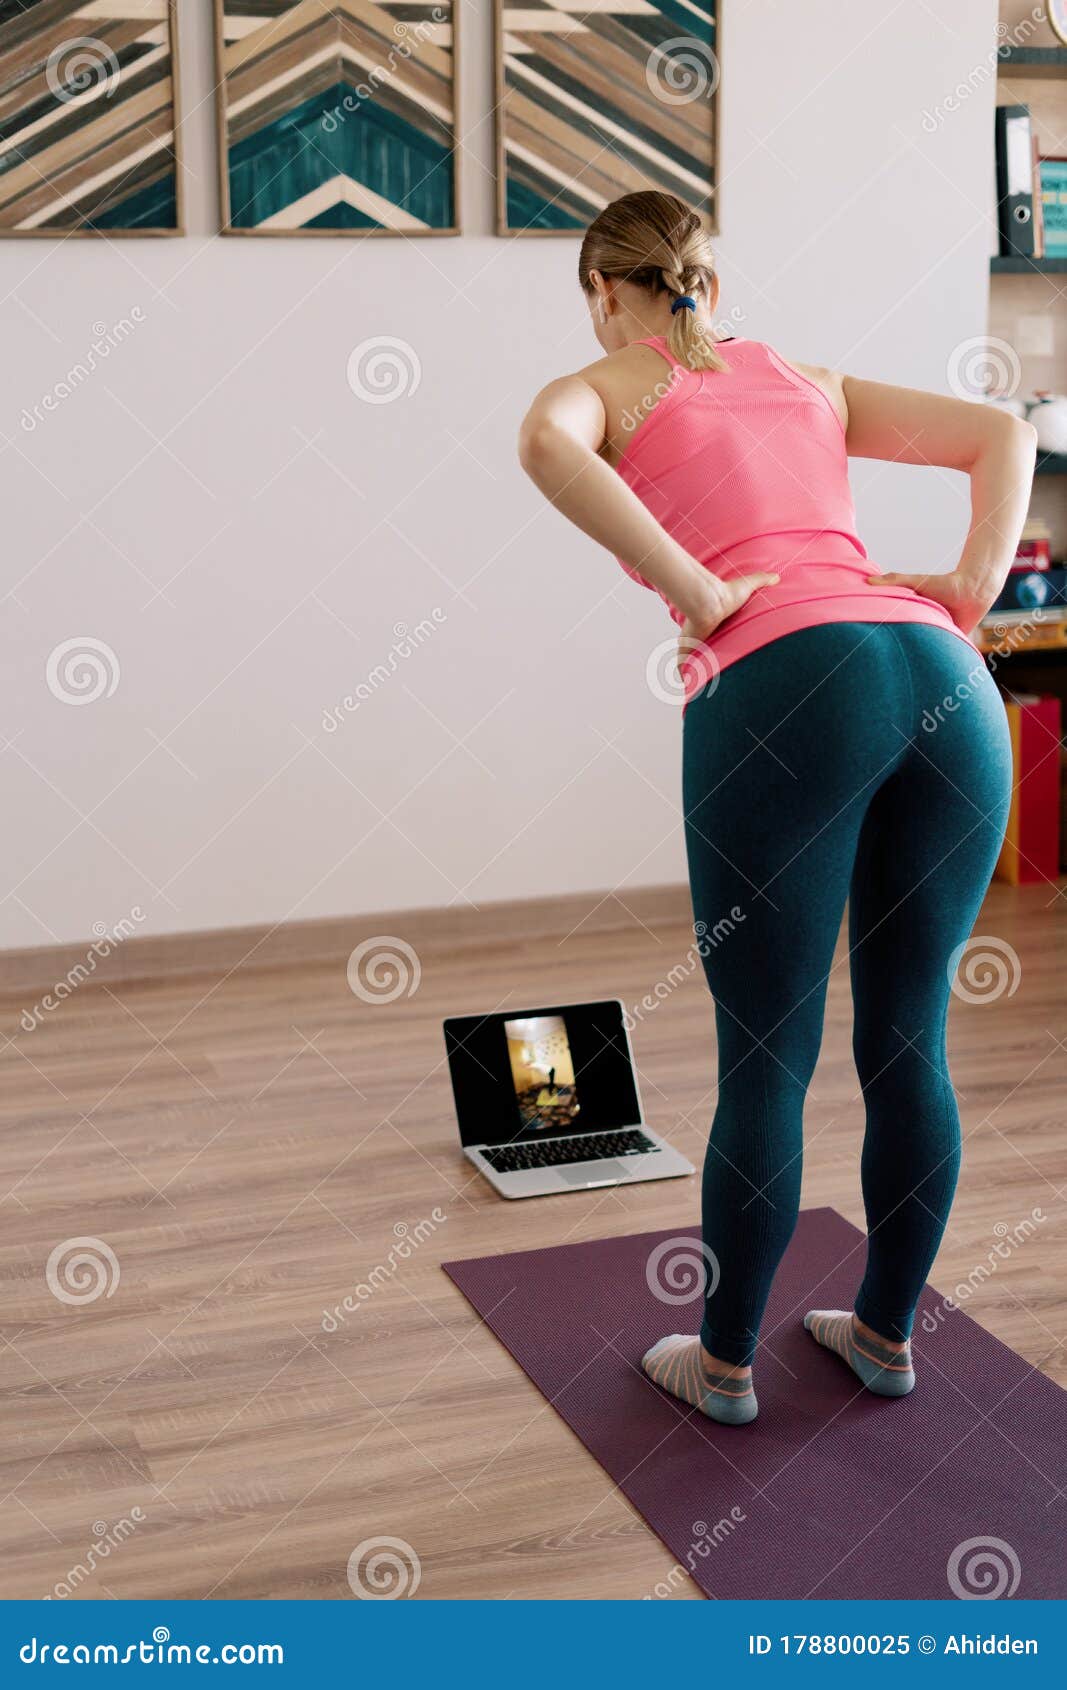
(1028, 311)
(1012, 266)
(1032, 61)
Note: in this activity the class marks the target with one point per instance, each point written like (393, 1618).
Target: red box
(1031, 850)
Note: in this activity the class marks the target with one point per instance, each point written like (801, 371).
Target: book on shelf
(1037, 198)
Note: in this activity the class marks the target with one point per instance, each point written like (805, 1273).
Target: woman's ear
(604, 302)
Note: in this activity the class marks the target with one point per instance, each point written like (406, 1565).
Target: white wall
(217, 506)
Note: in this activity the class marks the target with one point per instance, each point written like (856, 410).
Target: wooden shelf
(1010, 638)
(1019, 266)
(1033, 61)
(1051, 463)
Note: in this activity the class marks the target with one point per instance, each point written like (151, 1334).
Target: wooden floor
(253, 1144)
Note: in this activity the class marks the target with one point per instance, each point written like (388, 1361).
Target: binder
(1015, 179)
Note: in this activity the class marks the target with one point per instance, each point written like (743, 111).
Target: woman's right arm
(559, 446)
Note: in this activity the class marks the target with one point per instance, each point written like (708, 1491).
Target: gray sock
(677, 1364)
(884, 1370)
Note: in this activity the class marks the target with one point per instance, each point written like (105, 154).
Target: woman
(842, 741)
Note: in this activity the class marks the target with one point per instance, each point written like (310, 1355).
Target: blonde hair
(654, 240)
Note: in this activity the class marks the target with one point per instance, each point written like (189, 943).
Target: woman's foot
(883, 1366)
(683, 1367)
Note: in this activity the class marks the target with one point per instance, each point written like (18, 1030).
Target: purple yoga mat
(831, 1492)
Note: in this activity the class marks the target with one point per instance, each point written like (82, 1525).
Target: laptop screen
(519, 1075)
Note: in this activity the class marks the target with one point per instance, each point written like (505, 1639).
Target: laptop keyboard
(551, 1152)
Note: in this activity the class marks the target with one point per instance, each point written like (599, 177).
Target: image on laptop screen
(544, 1073)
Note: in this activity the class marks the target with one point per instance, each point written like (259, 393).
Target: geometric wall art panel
(597, 98)
(337, 118)
(88, 95)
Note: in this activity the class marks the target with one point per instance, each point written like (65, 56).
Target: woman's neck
(656, 322)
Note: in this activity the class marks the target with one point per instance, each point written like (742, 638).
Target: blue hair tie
(684, 302)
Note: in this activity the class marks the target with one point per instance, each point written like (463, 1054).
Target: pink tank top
(747, 469)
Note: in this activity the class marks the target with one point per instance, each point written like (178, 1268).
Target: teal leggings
(856, 762)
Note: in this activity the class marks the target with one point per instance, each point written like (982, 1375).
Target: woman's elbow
(537, 440)
(1019, 433)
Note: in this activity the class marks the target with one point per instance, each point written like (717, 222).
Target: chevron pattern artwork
(600, 97)
(337, 115)
(87, 127)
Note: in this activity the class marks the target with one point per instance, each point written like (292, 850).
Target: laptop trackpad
(580, 1173)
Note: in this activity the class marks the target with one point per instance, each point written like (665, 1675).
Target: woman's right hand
(717, 600)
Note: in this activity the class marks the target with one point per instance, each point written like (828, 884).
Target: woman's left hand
(966, 600)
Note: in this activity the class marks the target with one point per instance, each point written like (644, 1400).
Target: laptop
(547, 1100)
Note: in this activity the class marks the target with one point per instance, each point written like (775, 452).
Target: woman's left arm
(997, 451)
